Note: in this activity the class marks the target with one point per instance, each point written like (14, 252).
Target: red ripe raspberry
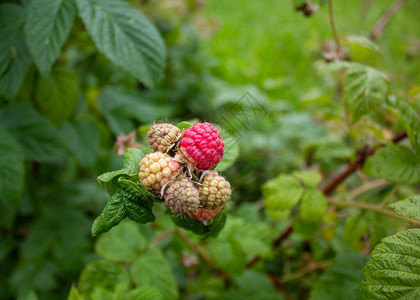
(202, 146)
(202, 214)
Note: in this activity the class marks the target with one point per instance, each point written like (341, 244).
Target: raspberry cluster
(178, 161)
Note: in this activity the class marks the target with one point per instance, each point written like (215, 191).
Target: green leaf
(309, 179)
(74, 294)
(255, 285)
(342, 279)
(102, 293)
(184, 125)
(139, 191)
(139, 207)
(131, 159)
(228, 255)
(281, 194)
(394, 271)
(56, 97)
(109, 181)
(122, 243)
(82, 139)
(355, 228)
(380, 226)
(29, 276)
(144, 293)
(305, 229)
(313, 206)
(409, 207)
(38, 241)
(8, 245)
(121, 107)
(132, 201)
(253, 237)
(104, 274)
(126, 37)
(11, 176)
(29, 296)
(152, 269)
(39, 140)
(139, 212)
(408, 117)
(333, 150)
(212, 229)
(120, 290)
(15, 58)
(362, 49)
(61, 233)
(47, 27)
(113, 213)
(365, 88)
(395, 163)
(298, 3)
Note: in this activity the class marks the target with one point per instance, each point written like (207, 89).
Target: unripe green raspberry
(182, 197)
(214, 191)
(163, 136)
(157, 169)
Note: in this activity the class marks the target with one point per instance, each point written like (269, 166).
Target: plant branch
(373, 207)
(389, 196)
(399, 137)
(342, 176)
(334, 30)
(306, 270)
(284, 235)
(196, 248)
(367, 187)
(278, 284)
(357, 163)
(204, 256)
(339, 56)
(161, 237)
(385, 18)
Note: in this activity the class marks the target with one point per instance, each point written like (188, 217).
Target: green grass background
(267, 43)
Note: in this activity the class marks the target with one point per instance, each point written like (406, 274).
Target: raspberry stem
(203, 254)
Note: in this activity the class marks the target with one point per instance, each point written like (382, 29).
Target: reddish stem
(357, 163)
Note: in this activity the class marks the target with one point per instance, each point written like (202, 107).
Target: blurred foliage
(76, 74)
